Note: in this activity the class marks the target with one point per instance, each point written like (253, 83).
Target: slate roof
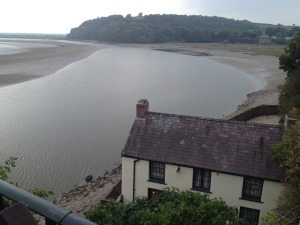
(232, 147)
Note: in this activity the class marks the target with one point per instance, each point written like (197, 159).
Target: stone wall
(262, 110)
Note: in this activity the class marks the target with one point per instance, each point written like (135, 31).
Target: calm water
(75, 122)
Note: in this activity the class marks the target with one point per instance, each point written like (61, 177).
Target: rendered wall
(226, 186)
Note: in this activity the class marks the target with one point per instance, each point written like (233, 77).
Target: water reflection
(76, 121)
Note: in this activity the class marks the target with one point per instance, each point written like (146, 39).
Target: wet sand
(41, 61)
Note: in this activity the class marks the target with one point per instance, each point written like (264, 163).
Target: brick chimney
(289, 120)
(141, 107)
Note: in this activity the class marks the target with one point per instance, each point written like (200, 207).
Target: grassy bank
(271, 50)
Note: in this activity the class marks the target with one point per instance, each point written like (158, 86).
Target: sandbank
(41, 61)
(262, 69)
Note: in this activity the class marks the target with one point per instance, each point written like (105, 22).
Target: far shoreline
(257, 61)
(61, 56)
(37, 62)
(244, 58)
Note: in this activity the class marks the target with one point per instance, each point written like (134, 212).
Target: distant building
(227, 159)
(265, 40)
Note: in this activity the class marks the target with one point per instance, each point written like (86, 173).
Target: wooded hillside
(166, 28)
(179, 28)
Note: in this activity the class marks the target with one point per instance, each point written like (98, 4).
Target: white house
(227, 159)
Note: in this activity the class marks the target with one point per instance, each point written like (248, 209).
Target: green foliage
(166, 28)
(271, 218)
(171, 207)
(280, 33)
(286, 154)
(290, 60)
(288, 206)
(5, 169)
(287, 211)
(276, 31)
(289, 94)
(41, 192)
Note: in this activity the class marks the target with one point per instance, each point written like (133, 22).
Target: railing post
(1, 202)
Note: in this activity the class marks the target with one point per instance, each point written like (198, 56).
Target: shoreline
(39, 61)
(82, 197)
(42, 61)
(261, 69)
(256, 67)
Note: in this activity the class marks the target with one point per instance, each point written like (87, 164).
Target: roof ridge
(214, 119)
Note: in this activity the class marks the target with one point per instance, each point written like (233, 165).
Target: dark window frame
(250, 215)
(153, 192)
(157, 171)
(202, 174)
(252, 189)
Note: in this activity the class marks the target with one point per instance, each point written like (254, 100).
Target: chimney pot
(141, 107)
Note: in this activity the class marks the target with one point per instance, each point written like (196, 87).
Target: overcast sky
(59, 16)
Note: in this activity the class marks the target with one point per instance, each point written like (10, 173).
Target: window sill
(157, 181)
(251, 199)
(202, 190)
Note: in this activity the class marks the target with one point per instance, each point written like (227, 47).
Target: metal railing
(53, 214)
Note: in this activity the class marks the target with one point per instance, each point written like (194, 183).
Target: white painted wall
(228, 187)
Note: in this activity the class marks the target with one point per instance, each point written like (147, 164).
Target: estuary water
(73, 123)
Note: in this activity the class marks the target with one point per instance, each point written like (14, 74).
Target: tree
(294, 31)
(287, 155)
(171, 207)
(289, 92)
(290, 60)
(166, 28)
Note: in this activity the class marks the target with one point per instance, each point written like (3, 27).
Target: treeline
(166, 28)
(280, 34)
(282, 31)
(33, 36)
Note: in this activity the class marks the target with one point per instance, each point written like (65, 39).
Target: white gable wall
(226, 186)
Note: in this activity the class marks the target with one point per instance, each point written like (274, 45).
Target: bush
(171, 207)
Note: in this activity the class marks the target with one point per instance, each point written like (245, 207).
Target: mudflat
(254, 60)
(41, 61)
